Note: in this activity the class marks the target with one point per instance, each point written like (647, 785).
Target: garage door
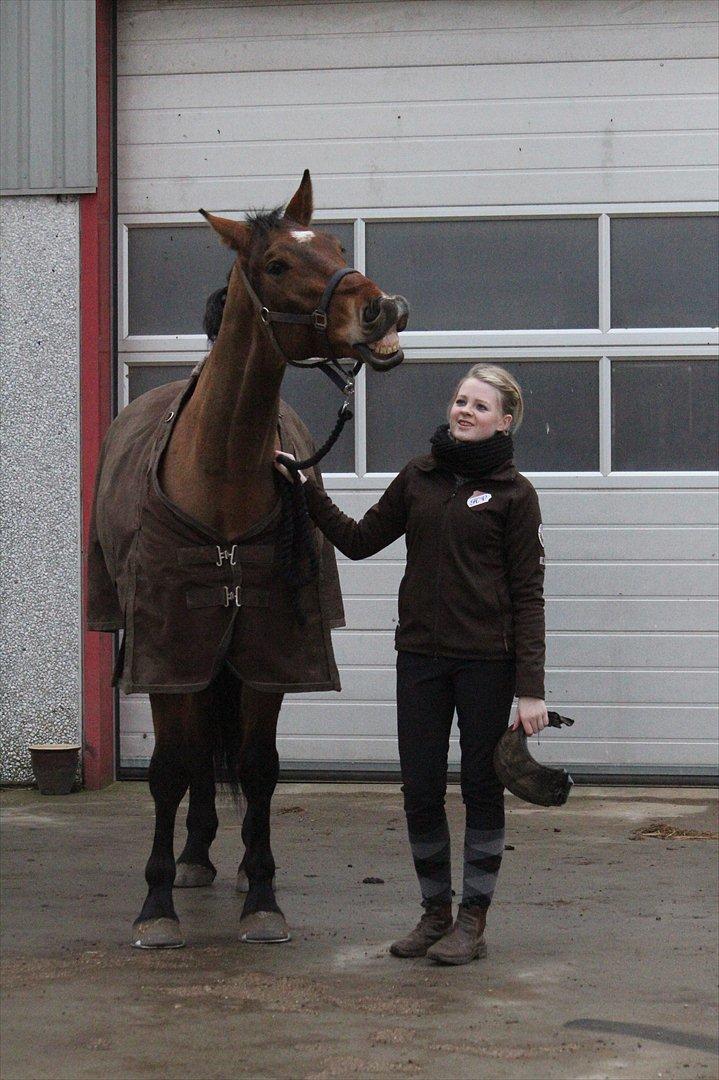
(539, 181)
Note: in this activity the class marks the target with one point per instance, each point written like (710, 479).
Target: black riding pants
(429, 690)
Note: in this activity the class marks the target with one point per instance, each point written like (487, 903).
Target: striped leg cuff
(431, 854)
(482, 858)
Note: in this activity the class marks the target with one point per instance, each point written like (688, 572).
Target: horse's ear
(233, 233)
(299, 208)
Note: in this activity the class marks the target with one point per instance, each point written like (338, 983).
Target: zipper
(445, 504)
(500, 607)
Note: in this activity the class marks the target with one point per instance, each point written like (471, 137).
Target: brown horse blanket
(187, 599)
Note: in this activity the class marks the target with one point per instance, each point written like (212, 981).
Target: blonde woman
(470, 637)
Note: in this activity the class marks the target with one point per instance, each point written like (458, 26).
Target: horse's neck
(218, 466)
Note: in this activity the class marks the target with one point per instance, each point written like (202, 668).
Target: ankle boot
(465, 941)
(435, 922)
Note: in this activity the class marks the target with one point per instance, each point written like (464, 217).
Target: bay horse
(212, 471)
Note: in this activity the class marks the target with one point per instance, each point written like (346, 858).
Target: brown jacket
(473, 584)
(187, 600)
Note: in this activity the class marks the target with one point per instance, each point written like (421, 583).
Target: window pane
(317, 401)
(560, 432)
(344, 231)
(172, 271)
(665, 271)
(519, 274)
(664, 415)
(144, 377)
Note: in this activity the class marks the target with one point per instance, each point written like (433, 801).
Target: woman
(470, 636)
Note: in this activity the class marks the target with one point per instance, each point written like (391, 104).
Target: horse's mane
(213, 312)
(263, 221)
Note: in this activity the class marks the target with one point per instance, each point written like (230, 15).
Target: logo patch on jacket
(478, 497)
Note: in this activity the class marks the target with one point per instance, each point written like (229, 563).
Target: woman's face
(476, 412)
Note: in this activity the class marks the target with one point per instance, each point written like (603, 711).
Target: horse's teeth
(386, 346)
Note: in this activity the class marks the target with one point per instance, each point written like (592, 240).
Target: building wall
(39, 489)
(407, 111)
(412, 111)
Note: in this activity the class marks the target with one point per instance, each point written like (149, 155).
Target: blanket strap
(229, 596)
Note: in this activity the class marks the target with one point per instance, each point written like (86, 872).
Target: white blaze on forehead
(302, 235)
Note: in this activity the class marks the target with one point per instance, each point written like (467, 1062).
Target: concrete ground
(602, 946)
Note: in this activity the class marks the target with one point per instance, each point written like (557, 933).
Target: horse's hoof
(161, 933)
(242, 885)
(193, 875)
(264, 928)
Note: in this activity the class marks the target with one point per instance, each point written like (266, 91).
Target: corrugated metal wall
(419, 109)
(47, 86)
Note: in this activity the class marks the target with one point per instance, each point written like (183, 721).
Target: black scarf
(471, 459)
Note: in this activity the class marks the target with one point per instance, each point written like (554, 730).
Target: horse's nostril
(371, 311)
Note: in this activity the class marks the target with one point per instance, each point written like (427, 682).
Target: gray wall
(40, 685)
(47, 84)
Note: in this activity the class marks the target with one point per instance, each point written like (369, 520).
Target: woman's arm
(525, 573)
(382, 524)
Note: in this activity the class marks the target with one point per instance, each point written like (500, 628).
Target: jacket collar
(506, 471)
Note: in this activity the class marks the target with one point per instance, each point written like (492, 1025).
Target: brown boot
(465, 941)
(435, 922)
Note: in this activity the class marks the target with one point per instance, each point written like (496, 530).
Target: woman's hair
(510, 395)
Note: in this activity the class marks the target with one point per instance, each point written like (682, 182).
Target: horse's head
(289, 265)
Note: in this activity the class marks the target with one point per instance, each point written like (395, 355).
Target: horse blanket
(187, 599)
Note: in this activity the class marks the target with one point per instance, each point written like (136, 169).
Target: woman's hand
(279, 454)
(531, 714)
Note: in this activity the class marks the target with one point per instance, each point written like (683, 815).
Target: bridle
(318, 320)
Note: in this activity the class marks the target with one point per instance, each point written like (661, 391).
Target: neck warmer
(471, 459)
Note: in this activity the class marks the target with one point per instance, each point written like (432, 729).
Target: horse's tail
(227, 732)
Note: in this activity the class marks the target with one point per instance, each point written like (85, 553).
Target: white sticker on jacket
(478, 497)
(540, 534)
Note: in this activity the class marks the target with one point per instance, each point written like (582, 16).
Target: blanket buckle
(223, 554)
(233, 596)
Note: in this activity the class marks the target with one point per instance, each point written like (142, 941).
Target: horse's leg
(262, 920)
(217, 732)
(194, 867)
(177, 718)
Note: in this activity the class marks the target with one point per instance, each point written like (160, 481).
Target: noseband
(318, 320)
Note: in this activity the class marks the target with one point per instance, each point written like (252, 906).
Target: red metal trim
(96, 252)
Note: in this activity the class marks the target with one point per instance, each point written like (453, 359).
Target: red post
(96, 305)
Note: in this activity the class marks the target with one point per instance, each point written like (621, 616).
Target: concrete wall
(40, 679)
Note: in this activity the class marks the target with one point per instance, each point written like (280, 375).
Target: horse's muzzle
(382, 319)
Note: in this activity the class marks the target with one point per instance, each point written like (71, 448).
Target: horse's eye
(343, 250)
(276, 267)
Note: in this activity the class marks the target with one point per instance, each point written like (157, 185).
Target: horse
(186, 549)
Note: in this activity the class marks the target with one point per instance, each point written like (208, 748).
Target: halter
(317, 319)
(333, 369)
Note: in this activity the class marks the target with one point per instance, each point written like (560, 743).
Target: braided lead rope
(343, 416)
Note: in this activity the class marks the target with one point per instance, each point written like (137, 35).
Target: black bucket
(55, 767)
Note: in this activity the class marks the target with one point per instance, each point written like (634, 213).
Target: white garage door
(539, 180)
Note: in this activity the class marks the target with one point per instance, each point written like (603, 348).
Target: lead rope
(296, 538)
